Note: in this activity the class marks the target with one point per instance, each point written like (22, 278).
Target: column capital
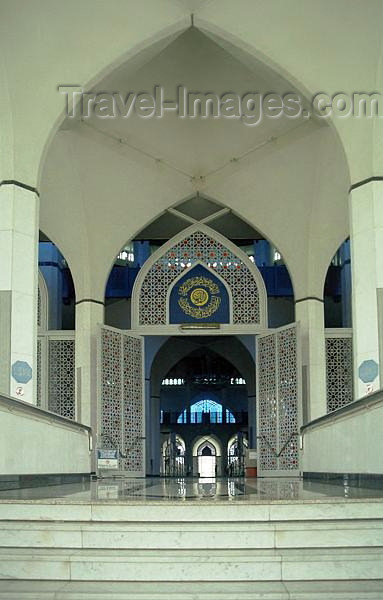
(308, 298)
(89, 301)
(20, 184)
(363, 182)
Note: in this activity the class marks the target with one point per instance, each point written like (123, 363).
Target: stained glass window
(206, 406)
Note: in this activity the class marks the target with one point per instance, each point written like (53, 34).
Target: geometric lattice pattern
(267, 403)
(111, 399)
(38, 373)
(121, 418)
(287, 399)
(199, 247)
(278, 397)
(39, 320)
(133, 425)
(339, 372)
(61, 378)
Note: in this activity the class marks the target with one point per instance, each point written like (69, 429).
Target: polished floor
(253, 490)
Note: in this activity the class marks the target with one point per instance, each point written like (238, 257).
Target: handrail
(276, 454)
(355, 406)
(13, 404)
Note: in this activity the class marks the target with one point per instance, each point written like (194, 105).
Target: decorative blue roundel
(21, 371)
(199, 297)
(368, 371)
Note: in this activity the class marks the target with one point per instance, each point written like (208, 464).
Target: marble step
(210, 535)
(192, 512)
(95, 590)
(187, 565)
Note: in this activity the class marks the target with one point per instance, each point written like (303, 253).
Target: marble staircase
(202, 550)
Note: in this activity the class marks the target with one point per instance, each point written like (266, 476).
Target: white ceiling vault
(102, 181)
(195, 147)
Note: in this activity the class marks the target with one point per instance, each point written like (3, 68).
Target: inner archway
(206, 294)
(207, 462)
(206, 389)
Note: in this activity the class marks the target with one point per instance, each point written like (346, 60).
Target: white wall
(349, 443)
(36, 442)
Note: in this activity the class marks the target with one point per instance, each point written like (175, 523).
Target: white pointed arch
(200, 244)
(210, 439)
(206, 444)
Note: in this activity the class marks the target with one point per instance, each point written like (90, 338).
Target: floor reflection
(186, 489)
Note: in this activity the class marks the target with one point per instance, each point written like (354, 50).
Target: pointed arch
(201, 440)
(199, 244)
(206, 446)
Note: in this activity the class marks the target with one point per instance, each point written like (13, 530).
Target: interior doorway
(220, 363)
(207, 461)
(202, 387)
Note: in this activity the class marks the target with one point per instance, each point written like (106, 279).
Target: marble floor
(252, 490)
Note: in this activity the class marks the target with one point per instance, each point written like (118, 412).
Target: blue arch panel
(199, 297)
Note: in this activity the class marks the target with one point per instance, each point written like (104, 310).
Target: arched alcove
(198, 244)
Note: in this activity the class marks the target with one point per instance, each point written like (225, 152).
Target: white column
(366, 227)
(19, 206)
(310, 313)
(89, 315)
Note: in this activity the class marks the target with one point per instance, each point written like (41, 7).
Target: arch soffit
(160, 368)
(168, 32)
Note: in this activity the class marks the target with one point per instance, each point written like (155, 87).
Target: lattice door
(121, 403)
(55, 373)
(278, 364)
(339, 368)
